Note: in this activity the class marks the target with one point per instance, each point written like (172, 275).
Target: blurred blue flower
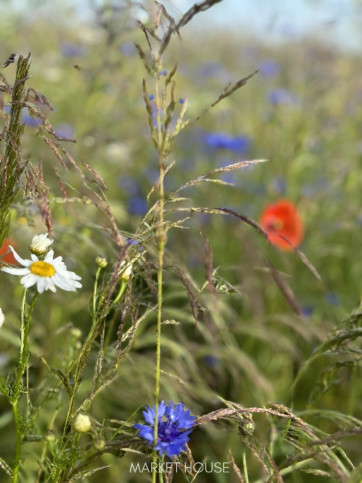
(28, 120)
(212, 361)
(269, 68)
(279, 185)
(214, 70)
(71, 50)
(181, 101)
(151, 97)
(280, 95)
(229, 177)
(129, 185)
(307, 311)
(131, 242)
(332, 299)
(128, 49)
(137, 205)
(239, 144)
(65, 130)
(163, 72)
(174, 426)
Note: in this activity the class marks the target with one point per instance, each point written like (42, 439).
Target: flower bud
(76, 333)
(101, 262)
(99, 444)
(40, 244)
(82, 423)
(50, 437)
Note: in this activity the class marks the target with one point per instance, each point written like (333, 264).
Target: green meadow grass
(273, 379)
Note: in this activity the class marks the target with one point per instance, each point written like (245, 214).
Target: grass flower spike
(47, 274)
(174, 426)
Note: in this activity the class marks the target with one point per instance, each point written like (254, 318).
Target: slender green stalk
(245, 466)
(113, 321)
(81, 359)
(94, 304)
(161, 242)
(22, 365)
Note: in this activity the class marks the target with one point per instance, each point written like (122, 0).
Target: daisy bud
(101, 262)
(82, 423)
(76, 333)
(40, 244)
(50, 437)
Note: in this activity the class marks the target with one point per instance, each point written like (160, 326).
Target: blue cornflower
(137, 205)
(72, 50)
(28, 120)
(174, 426)
(65, 130)
(281, 95)
(128, 49)
(332, 298)
(307, 310)
(269, 68)
(212, 361)
(239, 144)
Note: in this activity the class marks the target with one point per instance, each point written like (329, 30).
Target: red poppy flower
(6, 255)
(282, 222)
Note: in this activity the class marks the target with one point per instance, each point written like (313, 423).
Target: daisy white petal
(25, 263)
(15, 271)
(2, 317)
(28, 280)
(49, 256)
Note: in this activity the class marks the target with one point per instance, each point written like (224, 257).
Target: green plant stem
(113, 321)
(22, 365)
(94, 304)
(82, 357)
(161, 242)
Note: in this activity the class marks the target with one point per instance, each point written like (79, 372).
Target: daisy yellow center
(43, 269)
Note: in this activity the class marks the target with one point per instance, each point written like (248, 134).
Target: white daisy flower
(47, 274)
(40, 244)
(2, 317)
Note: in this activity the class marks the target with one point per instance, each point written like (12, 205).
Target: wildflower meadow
(180, 247)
